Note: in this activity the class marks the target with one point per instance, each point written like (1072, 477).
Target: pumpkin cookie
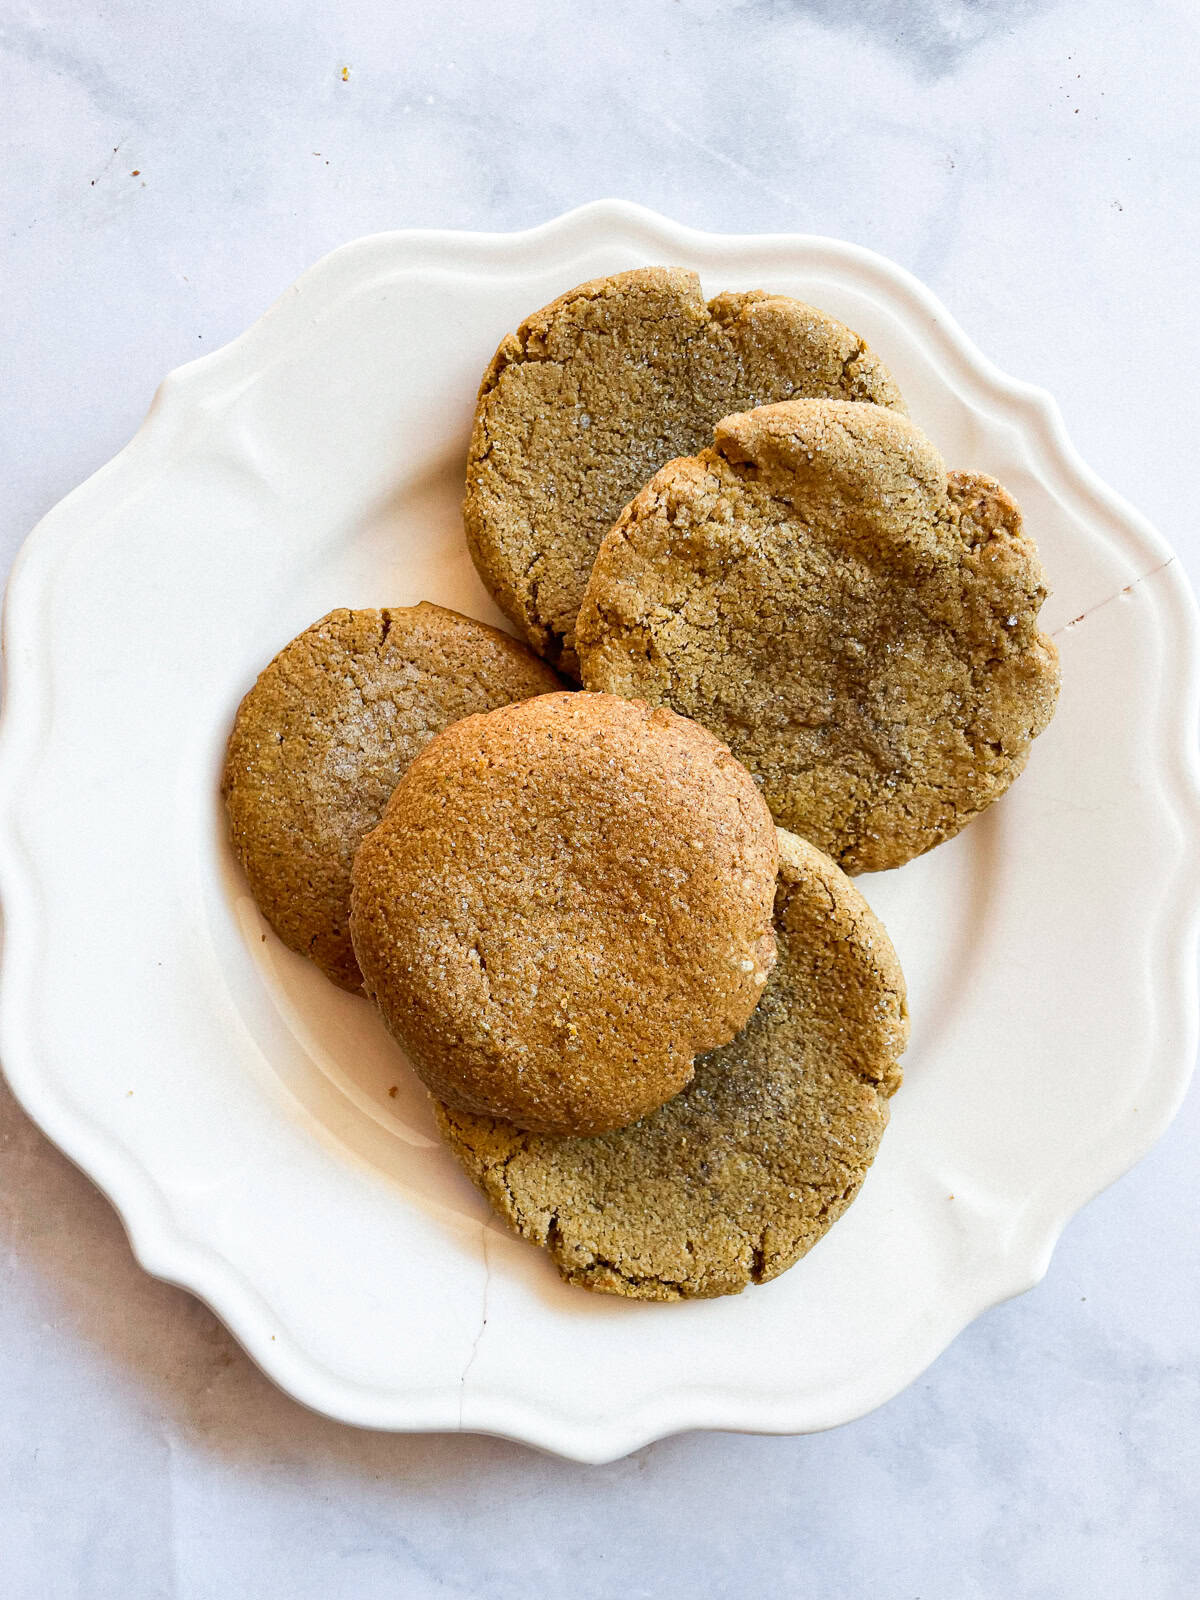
(734, 1179)
(596, 391)
(565, 902)
(324, 734)
(860, 628)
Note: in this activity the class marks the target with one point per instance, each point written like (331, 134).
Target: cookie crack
(848, 379)
(635, 1280)
(527, 352)
(758, 1251)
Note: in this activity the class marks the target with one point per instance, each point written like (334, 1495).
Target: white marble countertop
(167, 172)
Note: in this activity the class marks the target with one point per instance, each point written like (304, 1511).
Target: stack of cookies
(596, 882)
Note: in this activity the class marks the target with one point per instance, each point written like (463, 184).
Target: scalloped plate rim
(166, 1251)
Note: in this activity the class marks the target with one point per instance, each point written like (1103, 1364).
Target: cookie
(859, 627)
(324, 734)
(596, 391)
(740, 1174)
(565, 902)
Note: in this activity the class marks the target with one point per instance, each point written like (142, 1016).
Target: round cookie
(565, 902)
(738, 1176)
(860, 628)
(322, 737)
(596, 391)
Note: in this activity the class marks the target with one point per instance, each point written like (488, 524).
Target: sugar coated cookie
(322, 737)
(596, 391)
(859, 627)
(734, 1179)
(565, 902)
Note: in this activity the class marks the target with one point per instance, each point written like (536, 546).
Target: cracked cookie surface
(322, 737)
(739, 1175)
(565, 902)
(596, 391)
(859, 627)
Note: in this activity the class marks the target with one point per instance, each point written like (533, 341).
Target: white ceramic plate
(262, 1140)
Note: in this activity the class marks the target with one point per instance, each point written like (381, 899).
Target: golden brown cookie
(860, 628)
(322, 737)
(596, 391)
(565, 902)
(734, 1179)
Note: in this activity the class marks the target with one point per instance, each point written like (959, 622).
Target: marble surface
(167, 171)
